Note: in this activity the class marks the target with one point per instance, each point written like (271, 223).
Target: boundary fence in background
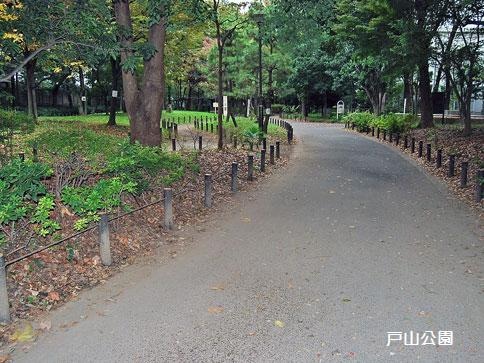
(167, 200)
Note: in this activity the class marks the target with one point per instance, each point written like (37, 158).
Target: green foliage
(103, 196)
(391, 122)
(11, 123)
(24, 179)
(41, 216)
(146, 165)
(361, 120)
(252, 135)
(395, 123)
(276, 108)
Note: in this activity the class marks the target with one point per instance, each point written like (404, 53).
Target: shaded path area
(351, 241)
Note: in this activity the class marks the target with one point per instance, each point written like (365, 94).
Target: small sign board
(83, 98)
(114, 94)
(215, 105)
(268, 111)
(340, 108)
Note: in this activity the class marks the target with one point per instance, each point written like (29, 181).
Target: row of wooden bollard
(419, 148)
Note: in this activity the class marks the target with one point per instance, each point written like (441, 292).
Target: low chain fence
(230, 177)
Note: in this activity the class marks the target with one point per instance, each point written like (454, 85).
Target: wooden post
(429, 152)
(479, 185)
(168, 208)
(271, 155)
(278, 149)
(451, 169)
(439, 158)
(200, 142)
(208, 191)
(250, 167)
(104, 243)
(4, 305)
(173, 144)
(235, 167)
(263, 160)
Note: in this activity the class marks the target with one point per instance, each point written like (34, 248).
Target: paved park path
(350, 242)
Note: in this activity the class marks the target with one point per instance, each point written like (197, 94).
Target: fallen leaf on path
(25, 334)
(218, 287)
(215, 309)
(279, 324)
(346, 300)
(332, 192)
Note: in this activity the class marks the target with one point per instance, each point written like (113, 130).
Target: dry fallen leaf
(215, 309)
(25, 334)
(279, 324)
(53, 296)
(218, 287)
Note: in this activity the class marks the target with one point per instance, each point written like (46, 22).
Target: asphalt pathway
(350, 242)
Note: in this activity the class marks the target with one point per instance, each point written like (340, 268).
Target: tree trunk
(83, 104)
(425, 91)
(220, 92)
(407, 92)
(144, 104)
(30, 83)
(115, 69)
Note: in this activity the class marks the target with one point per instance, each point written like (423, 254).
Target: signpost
(114, 94)
(215, 106)
(340, 109)
(248, 107)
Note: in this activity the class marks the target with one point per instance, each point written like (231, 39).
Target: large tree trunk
(30, 83)
(115, 69)
(143, 104)
(425, 91)
(408, 92)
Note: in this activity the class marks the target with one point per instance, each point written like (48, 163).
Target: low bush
(362, 120)
(12, 122)
(395, 123)
(277, 108)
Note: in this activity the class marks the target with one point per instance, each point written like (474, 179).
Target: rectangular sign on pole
(226, 106)
(114, 94)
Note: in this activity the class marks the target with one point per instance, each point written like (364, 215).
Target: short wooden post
(263, 160)
(176, 130)
(235, 141)
(420, 149)
(451, 169)
(264, 143)
(21, 156)
(250, 167)
(464, 167)
(405, 142)
(173, 144)
(384, 135)
(479, 185)
(278, 149)
(438, 161)
(211, 128)
(168, 208)
(429, 152)
(208, 191)
(372, 132)
(4, 305)
(271, 155)
(377, 132)
(200, 143)
(104, 243)
(233, 175)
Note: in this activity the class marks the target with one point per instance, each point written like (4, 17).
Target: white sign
(114, 94)
(83, 98)
(268, 111)
(226, 106)
(428, 337)
(340, 109)
(215, 105)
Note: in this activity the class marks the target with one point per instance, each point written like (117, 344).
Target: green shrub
(11, 123)
(362, 120)
(252, 135)
(395, 123)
